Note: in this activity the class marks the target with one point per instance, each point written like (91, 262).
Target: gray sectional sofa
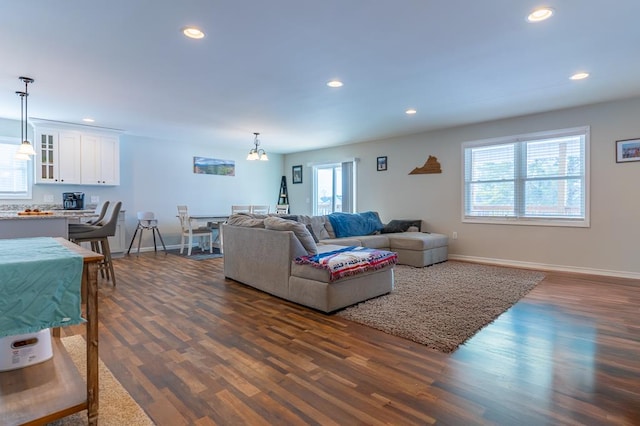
(263, 256)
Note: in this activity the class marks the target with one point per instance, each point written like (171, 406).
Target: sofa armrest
(260, 257)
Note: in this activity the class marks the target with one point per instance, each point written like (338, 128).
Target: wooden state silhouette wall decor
(430, 166)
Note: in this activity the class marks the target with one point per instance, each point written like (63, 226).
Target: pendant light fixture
(255, 153)
(26, 149)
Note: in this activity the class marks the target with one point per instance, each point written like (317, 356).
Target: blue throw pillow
(355, 224)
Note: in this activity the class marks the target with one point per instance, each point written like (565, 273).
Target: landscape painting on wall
(214, 166)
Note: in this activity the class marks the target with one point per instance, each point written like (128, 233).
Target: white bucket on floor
(23, 350)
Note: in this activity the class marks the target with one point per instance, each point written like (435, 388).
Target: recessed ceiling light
(579, 76)
(193, 32)
(410, 111)
(88, 120)
(540, 14)
(335, 83)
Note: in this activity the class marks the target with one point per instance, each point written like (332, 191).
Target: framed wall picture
(627, 150)
(296, 174)
(381, 164)
(214, 166)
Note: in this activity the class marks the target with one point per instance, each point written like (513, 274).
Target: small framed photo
(627, 150)
(381, 164)
(296, 173)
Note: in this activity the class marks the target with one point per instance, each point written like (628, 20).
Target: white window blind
(15, 182)
(531, 179)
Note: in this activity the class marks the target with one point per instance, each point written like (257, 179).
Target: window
(535, 179)
(15, 175)
(334, 188)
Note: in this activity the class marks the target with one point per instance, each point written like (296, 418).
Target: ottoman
(419, 249)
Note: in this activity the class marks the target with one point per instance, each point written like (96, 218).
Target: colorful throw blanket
(349, 261)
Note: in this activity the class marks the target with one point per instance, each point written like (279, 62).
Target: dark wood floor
(194, 348)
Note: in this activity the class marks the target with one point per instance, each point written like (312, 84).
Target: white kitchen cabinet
(77, 155)
(100, 163)
(57, 156)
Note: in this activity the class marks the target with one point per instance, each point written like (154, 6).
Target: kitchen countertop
(56, 214)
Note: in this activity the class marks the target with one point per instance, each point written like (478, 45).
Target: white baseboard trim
(134, 249)
(546, 267)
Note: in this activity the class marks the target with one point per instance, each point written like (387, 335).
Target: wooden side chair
(191, 229)
(282, 209)
(260, 209)
(240, 209)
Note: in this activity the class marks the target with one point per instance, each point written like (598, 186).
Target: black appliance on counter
(73, 200)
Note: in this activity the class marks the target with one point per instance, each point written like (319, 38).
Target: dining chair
(241, 209)
(260, 209)
(147, 220)
(282, 209)
(190, 229)
(98, 235)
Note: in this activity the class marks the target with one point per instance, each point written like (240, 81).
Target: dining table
(214, 221)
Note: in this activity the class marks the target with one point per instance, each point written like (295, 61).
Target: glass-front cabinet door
(47, 148)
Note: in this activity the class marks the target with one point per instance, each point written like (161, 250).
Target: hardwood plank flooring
(193, 348)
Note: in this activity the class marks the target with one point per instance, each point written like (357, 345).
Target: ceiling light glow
(88, 120)
(193, 32)
(579, 76)
(335, 83)
(411, 111)
(540, 14)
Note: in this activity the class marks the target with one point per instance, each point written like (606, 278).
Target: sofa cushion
(355, 224)
(349, 241)
(313, 234)
(317, 223)
(299, 229)
(245, 220)
(417, 241)
(374, 241)
(401, 225)
(329, 228)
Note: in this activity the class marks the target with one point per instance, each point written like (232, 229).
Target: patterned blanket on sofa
(349, 261)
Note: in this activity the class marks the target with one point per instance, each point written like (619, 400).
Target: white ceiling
(263, 65)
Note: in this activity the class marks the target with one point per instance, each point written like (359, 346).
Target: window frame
(28, 193)
(520, 180)
(348, 188)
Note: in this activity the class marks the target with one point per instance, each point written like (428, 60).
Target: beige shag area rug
(116, 407)
(443, 305)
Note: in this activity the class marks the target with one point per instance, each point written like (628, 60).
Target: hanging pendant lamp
(26, 149)
(255, 153)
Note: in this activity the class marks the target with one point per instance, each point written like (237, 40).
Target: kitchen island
(53, 389)
(56, 224)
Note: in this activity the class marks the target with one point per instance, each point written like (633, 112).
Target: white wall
(157, 175)
(609, 246)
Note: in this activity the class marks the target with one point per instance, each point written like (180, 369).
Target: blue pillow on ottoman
(354, 224)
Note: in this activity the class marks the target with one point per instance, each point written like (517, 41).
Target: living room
(193, 347)
(156, 175)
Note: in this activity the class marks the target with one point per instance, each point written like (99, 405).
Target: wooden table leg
(90, 273)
